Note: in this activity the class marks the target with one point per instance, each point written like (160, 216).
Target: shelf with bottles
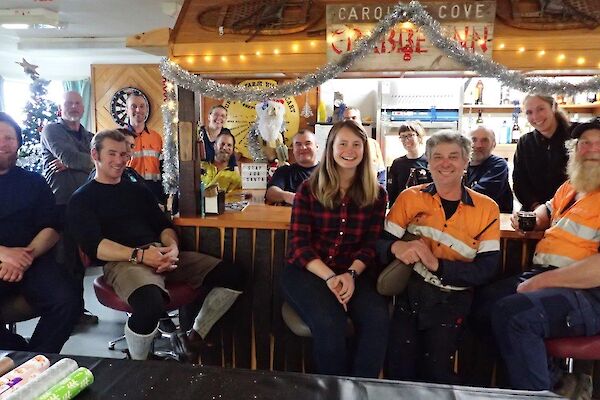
(586, 108)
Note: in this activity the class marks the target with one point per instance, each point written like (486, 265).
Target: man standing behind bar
(66, 151)
(487, 173)
(148, 145)
(287, 178)
(220, 171)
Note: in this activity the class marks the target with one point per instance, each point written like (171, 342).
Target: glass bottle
(505, 131)
(322, 112)
(479, 119)
(200, 145)
(515, 132)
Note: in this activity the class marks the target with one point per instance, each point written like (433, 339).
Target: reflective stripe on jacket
(574, 232)
(145, 158)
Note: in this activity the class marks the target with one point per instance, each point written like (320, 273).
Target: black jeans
(426, 327)
(319, 309)
(53, 294)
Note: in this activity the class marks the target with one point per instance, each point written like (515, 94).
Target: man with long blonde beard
(560, 296)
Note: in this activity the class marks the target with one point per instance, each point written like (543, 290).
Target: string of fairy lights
(412, 12)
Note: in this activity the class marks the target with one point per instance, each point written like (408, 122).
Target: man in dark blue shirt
(286, 179)
(487, 173)
(28, 221)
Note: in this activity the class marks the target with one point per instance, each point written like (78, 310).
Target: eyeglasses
(407, 136)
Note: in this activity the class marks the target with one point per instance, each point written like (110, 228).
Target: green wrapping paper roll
(71, 386)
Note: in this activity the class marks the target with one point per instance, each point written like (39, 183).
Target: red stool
(180, 295)
(570, 348)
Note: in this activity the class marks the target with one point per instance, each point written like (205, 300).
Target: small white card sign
(254, 175)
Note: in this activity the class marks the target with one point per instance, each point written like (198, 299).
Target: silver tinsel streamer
(170, 175)
(211, 88)
(489, 68)
(400, 13)
(254, 145)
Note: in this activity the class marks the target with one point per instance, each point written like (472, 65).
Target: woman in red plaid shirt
(337, 217)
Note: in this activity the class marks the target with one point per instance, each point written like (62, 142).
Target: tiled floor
(91, 340)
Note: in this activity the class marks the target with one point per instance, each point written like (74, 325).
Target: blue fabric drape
(83, 87)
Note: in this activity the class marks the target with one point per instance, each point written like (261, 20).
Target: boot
(139, 345)
(217, 302)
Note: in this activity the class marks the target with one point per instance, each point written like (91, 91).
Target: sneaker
(87, 318)
(575, 386)
(166, 326)
(191, 345)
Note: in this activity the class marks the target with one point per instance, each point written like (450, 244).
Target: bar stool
(299, 327)
(15, 309)
(180, 295)
(570, 348)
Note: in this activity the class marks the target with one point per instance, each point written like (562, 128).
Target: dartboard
(118, 104)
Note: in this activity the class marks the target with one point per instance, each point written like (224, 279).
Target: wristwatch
(134, 254)
(352, 273)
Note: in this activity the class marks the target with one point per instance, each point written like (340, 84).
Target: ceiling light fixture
(25, 18)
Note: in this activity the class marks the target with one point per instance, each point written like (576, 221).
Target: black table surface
(129, 380)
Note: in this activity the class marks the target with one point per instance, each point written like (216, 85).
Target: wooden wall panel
(107, 79)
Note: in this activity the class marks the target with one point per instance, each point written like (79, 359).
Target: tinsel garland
(400, 13)
(170, 176)
(254, 145)
(489, 68)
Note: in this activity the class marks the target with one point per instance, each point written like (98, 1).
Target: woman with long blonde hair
(337, 217)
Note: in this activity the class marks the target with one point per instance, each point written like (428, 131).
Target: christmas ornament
(306, 110)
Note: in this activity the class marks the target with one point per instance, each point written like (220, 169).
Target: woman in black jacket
(541, 157)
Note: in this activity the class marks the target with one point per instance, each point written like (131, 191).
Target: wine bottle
(515, 132)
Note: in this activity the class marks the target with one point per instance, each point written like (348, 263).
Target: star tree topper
(29, 69)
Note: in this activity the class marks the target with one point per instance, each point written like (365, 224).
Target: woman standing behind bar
(336, 219)
(540, 160)
(411, 136)
(217, 116)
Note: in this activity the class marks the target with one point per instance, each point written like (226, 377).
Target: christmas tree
(39, 111)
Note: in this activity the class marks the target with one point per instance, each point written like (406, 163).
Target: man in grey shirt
(66, 150)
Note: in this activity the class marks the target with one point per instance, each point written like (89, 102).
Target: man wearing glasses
(411, 169)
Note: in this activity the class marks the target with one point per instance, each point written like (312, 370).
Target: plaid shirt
(338, 236)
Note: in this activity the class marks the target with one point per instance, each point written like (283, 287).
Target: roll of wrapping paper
(6, 364)
(43, 382)
(22, 373)
(71, 386)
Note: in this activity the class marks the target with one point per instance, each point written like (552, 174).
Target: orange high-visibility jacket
(574, 232)
(146, 155)
(474, 228)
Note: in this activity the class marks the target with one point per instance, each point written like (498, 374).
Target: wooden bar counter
(254, 335)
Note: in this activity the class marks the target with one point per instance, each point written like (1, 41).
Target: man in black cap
(560, 296)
